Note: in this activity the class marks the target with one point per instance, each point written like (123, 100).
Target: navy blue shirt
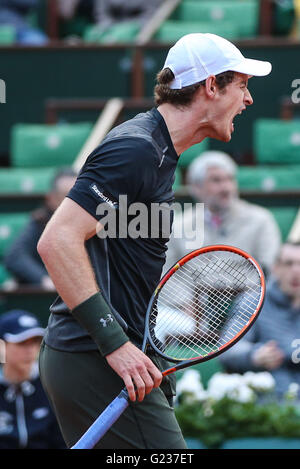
(137, 160)
(26, 418)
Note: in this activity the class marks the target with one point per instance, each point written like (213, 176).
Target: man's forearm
(69, 267)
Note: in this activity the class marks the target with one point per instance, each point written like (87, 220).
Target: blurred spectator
(74, 17)
(227, 219)
(15, 13)
(106, 14)
(109, 12)
(22, 258)
(271, 344)
(67, 9)
(26, 419)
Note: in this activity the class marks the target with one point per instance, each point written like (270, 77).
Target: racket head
(204, 304)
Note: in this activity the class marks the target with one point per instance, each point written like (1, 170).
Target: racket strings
(212, 316)
(221, 297)
(219, 294)
(204, 305)
(211, 328)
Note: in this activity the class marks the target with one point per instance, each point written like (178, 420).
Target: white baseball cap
(196, 56)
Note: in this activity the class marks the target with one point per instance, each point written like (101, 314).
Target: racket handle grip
(103, 423)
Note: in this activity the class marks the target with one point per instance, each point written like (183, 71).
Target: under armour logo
(108, 319)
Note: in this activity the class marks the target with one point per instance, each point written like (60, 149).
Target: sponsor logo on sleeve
(103, 195)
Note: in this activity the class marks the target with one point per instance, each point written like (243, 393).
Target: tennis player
(93, 340)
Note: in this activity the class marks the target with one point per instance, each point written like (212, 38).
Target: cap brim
(16, 338)
(256, 68)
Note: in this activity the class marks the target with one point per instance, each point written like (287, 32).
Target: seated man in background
(26, 419)
(109, 12)
(15, 13)
(74, 16)
(271, 344)
(22, 259)
(68, 9)
(226, 219)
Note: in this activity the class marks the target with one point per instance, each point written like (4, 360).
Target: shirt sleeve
(119, 167)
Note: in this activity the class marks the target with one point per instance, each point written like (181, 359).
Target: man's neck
(181, 126)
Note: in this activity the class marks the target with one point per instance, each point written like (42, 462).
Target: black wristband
(95, 315)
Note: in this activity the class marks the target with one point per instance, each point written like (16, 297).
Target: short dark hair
(184, 96)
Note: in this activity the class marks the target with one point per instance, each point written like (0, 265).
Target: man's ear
(211, 86)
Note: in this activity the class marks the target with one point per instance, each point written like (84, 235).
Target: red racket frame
(218, 247)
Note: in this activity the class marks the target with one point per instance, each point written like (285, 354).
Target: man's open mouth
(237, 114)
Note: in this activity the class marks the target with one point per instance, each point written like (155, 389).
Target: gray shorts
(81, 384)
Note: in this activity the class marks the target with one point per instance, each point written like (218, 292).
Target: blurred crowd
(22, 16)
(72, 18)
(26, 418)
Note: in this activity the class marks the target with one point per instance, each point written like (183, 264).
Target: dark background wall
(35, 74)
(32, 75)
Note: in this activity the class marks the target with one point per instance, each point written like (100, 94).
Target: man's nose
(248, 98)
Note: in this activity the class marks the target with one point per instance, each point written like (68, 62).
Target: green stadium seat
(123, 32)
(285, 217)
(26, 180)
(10, 226)
(243, 15)
(269, 178)
(7, 35)
(5, 276)
(93, 33)
(172, 30)
(283, 17)
(32, 19)
(189, 155)
(178, 179)
(47, 145)
(276, 141)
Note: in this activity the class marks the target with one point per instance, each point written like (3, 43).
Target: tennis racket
(202, 306)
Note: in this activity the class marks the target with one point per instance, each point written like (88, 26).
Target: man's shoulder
(131, 137)
(252, 211)
(142, 126)
(125, 152)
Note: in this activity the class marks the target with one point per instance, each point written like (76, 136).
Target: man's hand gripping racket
(202, 306)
